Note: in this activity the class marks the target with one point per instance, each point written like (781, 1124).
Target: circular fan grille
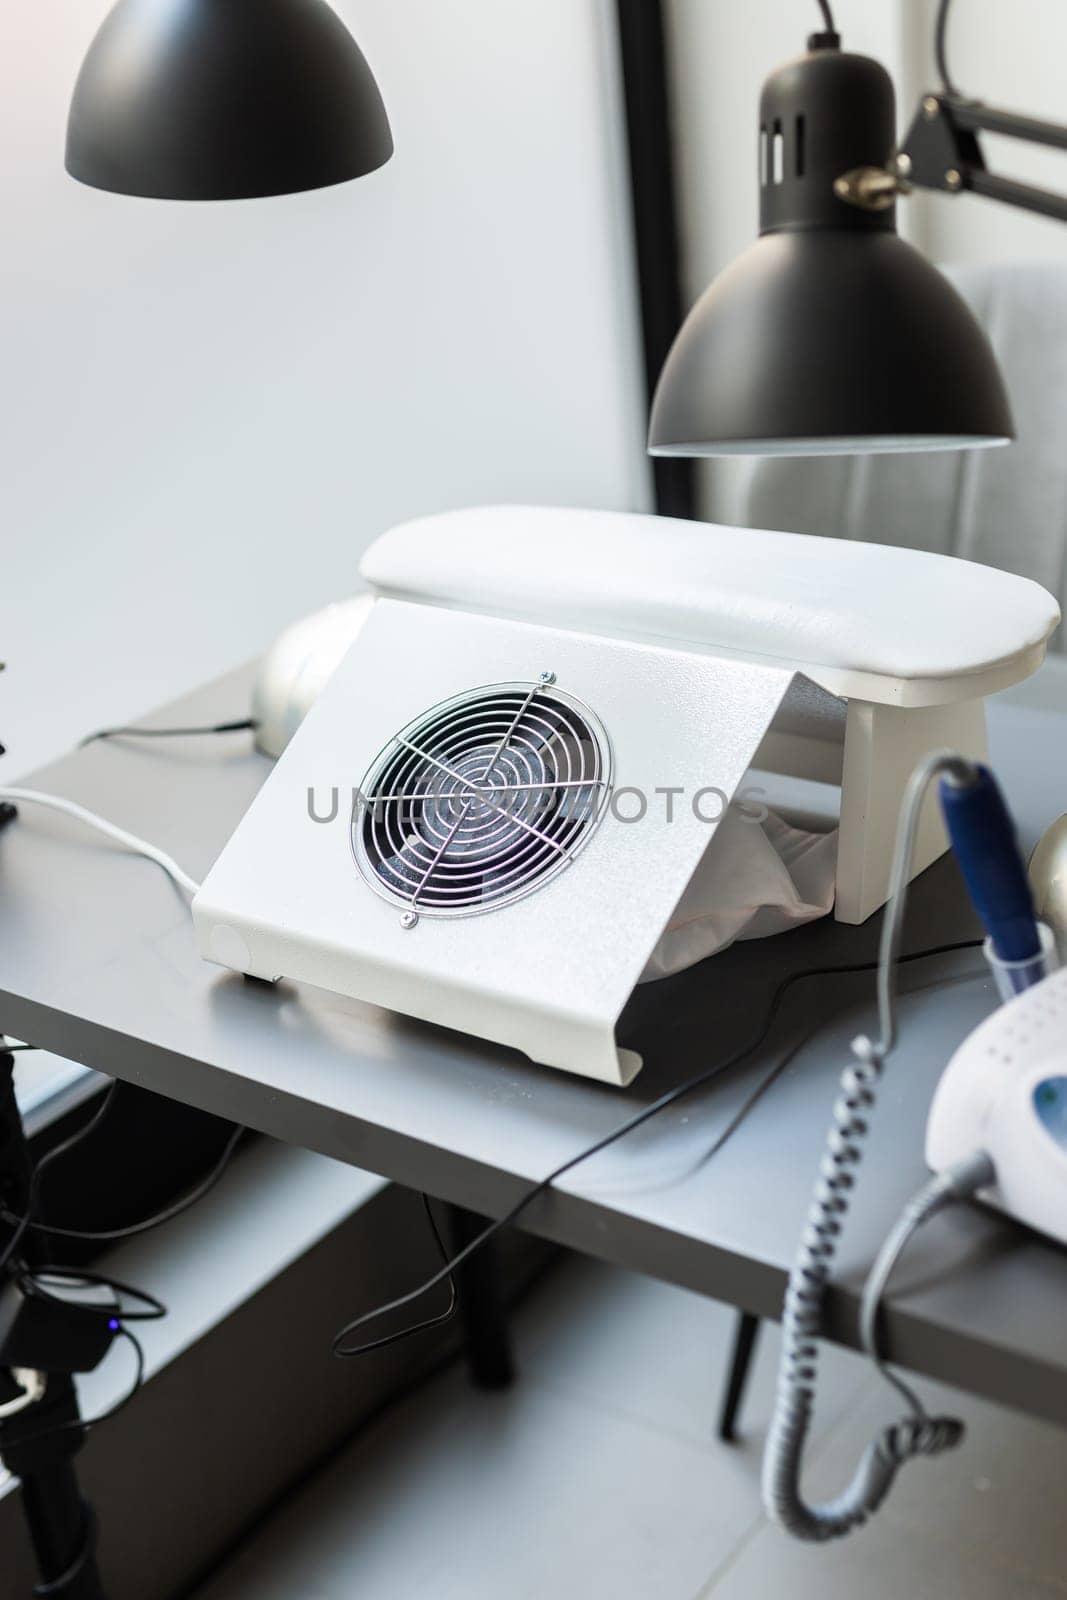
(481, 799)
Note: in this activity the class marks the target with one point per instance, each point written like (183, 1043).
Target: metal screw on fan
(481, 800)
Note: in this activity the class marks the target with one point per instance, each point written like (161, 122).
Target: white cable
(141, 847)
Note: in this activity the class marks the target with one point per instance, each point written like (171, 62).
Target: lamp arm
(976, 116)
(941, 151)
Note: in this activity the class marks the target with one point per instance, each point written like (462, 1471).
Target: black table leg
(740, 1361)
(37, 1445)
(61, 1523)
(481, 1305)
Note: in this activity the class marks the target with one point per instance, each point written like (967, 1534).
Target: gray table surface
(97, 963)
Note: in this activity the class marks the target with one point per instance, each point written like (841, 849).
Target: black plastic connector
(50, 1333)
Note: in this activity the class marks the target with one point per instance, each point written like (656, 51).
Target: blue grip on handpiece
(983, 837)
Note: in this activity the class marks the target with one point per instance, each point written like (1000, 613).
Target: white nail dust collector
(502, 730)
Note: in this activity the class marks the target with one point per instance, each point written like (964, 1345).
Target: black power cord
(827, 15)
(671, 1097)
(168, 1213)
(244, 725)
(45, 1280)
(940, 47)
(22, 1223)
(441, 1317)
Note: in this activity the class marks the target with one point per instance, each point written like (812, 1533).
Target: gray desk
(97, 963)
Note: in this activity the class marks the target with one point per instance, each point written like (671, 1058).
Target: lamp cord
(940, 31)
(827, 15)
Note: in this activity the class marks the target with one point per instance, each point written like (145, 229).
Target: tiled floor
(597, 1478)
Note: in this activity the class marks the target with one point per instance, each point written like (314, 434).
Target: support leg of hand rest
(883, 746)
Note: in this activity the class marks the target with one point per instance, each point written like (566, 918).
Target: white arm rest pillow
(878, 621)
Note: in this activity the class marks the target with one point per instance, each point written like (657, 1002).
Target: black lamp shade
(224, 100)
(829, 335)
(813, 344)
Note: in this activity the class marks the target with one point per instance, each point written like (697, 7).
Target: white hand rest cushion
(876, 621)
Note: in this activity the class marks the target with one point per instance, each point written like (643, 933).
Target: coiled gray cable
(919, 1433)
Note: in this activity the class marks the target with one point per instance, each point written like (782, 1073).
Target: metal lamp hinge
(874, 188)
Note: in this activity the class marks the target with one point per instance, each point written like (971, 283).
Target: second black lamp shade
(224, 100)
(829, 335)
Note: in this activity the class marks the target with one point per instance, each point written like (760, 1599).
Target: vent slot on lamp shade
(481, 800)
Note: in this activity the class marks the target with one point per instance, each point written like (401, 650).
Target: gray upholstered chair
(1006, 507)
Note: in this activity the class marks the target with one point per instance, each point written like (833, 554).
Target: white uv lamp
(470, 824)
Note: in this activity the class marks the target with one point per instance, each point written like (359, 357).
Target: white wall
(206, 411)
